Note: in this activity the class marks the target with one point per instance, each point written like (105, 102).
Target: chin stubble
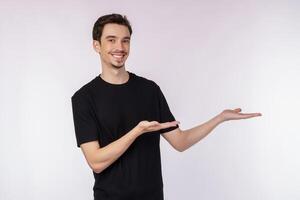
(116, 67)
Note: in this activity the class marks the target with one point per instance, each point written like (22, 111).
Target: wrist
(219, 119)
(136, 131)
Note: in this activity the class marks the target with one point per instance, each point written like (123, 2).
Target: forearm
(105, 156)
(195, 134)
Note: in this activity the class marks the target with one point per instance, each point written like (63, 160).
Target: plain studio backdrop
(207, 56)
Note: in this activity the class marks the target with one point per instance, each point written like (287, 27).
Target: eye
(111, 40)
(126, 41)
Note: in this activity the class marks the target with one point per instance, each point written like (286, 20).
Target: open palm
(236, 114)
(149, 126)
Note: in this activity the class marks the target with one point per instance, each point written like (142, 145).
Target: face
(115, 45)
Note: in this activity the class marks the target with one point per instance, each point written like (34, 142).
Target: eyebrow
(112, 36)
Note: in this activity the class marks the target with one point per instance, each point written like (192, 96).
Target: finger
(238, 110)
(153, 123)
(175, 122)
(169, 124)
(256, 114)
(249, 115)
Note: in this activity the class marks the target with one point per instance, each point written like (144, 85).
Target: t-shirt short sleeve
(164, 112)
(84, 121)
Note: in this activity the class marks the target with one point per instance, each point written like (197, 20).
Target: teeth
(117, 56)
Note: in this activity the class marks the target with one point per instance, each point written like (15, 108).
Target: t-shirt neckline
(102, 81)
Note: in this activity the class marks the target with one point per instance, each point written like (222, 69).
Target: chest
(121, 110)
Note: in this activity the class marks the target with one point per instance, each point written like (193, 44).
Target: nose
(119, 46)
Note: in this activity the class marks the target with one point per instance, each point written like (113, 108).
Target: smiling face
(115, 45)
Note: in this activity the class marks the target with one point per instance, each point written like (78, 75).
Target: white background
(206, 56)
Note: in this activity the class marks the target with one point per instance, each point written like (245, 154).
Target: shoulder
(84, 90)
(145, 82)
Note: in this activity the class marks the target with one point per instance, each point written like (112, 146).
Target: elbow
(181, 146)
(97, 168)
(180, 149)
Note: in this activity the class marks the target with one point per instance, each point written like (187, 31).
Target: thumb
(238, 110)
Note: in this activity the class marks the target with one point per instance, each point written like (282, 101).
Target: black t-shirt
(105, 112)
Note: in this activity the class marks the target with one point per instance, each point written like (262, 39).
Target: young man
(119, 117)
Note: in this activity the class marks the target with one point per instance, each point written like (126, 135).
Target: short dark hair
(110, 18)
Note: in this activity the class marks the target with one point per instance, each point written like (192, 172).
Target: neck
(115, 76)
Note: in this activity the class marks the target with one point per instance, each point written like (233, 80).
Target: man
(119, 117)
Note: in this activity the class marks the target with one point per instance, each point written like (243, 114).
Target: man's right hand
(149, 126)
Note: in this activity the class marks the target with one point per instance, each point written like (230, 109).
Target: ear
(96, 46)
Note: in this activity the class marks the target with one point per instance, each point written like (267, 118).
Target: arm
(100, 158)
(182, 140)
